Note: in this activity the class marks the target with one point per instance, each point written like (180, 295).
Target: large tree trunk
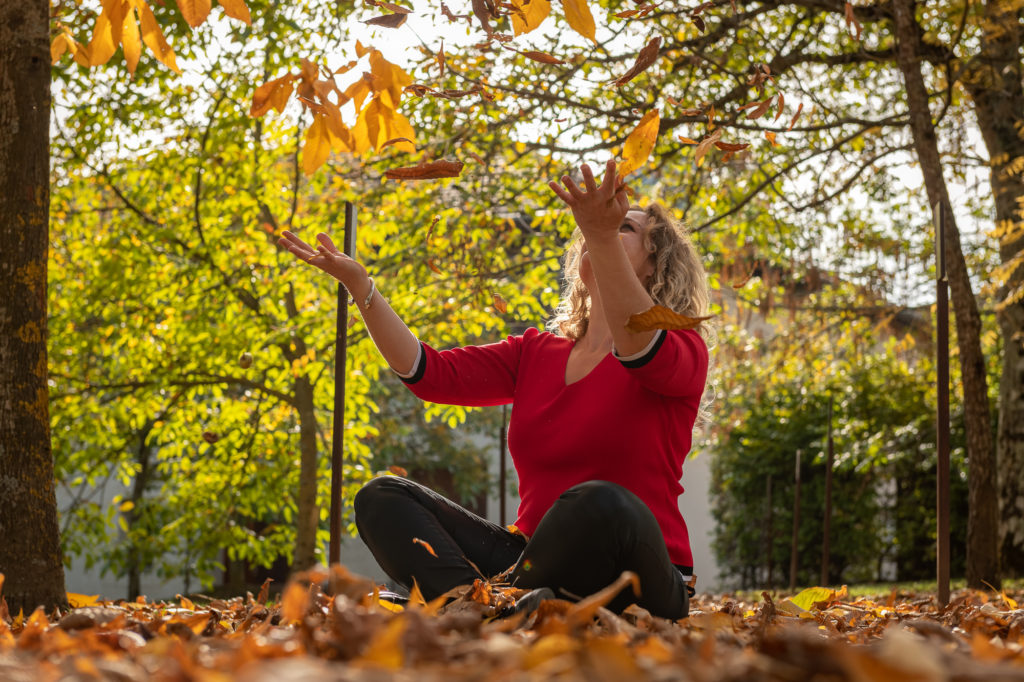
(983, 518)
(994, 81)
(309, 512)
(29, 540)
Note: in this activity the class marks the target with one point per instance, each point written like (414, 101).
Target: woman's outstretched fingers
(588, 178)
(324, 239)
(561, 193)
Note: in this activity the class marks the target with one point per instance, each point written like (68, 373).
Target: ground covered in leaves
(330, 625)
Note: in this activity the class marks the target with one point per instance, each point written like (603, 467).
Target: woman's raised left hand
(597, 209)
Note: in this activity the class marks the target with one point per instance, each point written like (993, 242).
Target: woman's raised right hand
(327, 257)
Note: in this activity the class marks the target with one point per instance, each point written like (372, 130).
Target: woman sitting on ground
(601, 420)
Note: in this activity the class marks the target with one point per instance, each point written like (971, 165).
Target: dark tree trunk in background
(983, 521)
(29, 539)
(994, 82)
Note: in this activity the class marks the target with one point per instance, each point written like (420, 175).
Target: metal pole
(503, 439)
(942, 408)
(796, 527)
(340, 362)
(829, 460)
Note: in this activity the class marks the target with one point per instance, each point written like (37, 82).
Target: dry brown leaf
(731, 146)
(781, 104)
(500, 304)
(660, 317)
(387, 20)
(792, 121)
(398, 471)
(428, 170)
(542, 57)
(759, 108)
(433, 267)
(647, 56)
(704, 146)
(395, 140)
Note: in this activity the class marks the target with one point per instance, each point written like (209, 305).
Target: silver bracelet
(369, 296)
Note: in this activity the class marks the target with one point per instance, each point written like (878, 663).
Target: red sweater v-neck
(627, 421)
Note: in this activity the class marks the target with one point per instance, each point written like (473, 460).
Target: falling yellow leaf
(194, 11)
(640, 143)
(236, 9)
(660, 317)
(528, 14)
(577, 13)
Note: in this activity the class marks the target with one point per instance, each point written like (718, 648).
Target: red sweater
(628, 421)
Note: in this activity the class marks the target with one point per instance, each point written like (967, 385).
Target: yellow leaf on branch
(131, 40)
(577, 13)
(528, 14)
(194, 11)
(640, 143)
(236, 9)
(106, 35)
(317, 146)
(153, 37)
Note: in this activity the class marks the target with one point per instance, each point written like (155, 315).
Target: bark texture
(29, 539)
(983, 501)
(995, 82)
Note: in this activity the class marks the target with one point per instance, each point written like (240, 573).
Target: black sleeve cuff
(634, 362)
(421, 368)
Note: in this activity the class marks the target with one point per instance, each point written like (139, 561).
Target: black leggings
(592, 533)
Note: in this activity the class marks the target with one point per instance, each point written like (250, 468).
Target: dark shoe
(393, 597)
(529, 602)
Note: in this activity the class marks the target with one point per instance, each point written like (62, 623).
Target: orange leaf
(542, 57)
(433, 267)
(385, 649)
(640, 143)
(627, 14)
(647, 56)
(686, 140)
(500, 304)
(577, 13)
(440, 61)
(429, 170)
(528, 14)
(317, 147)
(236, 9)
(770, 136)
(388, 20)
(425, 545)
(273, 94)
(293, 603)
(741, 283)
(660, 317)
(194, 11)
(106, 35)
(398, 471)
(795, 116)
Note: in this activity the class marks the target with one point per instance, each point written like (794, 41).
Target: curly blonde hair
(679, 281)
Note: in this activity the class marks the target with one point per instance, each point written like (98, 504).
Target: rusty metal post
(771, 537)
(340, 365)
(502, 480)
(829, 462)
(793, 551)
(942, 408)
